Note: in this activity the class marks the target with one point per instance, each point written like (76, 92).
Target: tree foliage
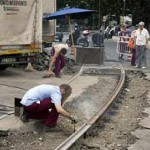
(140, 9)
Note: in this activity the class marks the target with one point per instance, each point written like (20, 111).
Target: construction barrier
(72, 50)
(122, 47)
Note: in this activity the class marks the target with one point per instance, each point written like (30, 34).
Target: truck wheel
(43, 44)
(60, 39)
(3, 67)
(67, 41)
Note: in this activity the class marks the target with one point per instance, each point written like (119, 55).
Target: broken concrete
(143, 142)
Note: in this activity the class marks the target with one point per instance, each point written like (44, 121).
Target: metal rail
(100, 113)
(78, 74)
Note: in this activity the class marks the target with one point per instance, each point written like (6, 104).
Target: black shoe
(53, 70)
(133, 64)
(40, 126)
(24, 116)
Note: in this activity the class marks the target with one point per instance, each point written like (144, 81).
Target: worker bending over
(58, 60)
(45, 102)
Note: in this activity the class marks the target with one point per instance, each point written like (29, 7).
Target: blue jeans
(141, 55)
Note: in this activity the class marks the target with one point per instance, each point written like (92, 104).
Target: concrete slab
(147, 111)
(10, 122)
(148, 97)
(140, 145)
(147, 76)
(80, 85)
(142, 134)
(145, 122)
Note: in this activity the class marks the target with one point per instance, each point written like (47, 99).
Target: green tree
(140, 9)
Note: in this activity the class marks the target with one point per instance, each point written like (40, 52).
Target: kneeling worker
(58, 60)
(45, 102)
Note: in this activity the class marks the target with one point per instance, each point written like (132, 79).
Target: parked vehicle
(20, 31)
(111, 31)
(79, 39)
(107, 32)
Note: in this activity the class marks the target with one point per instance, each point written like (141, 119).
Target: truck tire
(60, 39)
(3, 67)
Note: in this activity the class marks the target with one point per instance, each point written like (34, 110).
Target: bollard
(17, 105)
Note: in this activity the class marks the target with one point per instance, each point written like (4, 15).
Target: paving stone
(143, 143)
(142, 134)
(147, 76)
(140, 145)
(147, 110)
(145, 122)
(10, 122)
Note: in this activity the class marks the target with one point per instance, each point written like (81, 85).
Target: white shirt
(133, 34)
(38, 93)
(142, 36)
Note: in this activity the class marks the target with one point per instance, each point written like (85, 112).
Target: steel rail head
(78, 74)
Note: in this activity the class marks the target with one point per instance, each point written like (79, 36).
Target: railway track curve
(81, 132)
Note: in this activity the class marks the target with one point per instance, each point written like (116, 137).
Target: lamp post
(124, 5)
(99, 15)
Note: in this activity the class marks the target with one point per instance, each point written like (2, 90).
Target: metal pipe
(124, 6)
(99, 19)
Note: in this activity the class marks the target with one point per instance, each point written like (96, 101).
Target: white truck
(49, 6)
(20, 30)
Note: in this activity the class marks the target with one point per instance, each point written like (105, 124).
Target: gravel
(116, 134)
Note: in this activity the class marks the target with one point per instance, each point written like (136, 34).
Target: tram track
(97, 117)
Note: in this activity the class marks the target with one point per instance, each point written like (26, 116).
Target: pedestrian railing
(122, 45)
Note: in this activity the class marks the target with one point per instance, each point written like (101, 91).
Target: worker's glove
(73, 119)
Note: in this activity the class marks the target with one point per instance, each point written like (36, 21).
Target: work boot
(24, 115)
(52, 129)
(57, 76)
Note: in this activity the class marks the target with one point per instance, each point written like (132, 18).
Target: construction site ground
(15, 82)
(132, 131)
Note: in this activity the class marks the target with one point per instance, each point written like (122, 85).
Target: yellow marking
(17, 51)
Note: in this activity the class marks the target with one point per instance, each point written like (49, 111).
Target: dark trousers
(141, 55)
(41, 111)
(59, 62)
(133, 60)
